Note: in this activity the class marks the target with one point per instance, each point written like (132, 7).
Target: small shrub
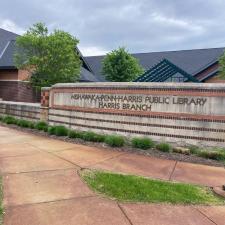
(164, 147)
(115, 140)
(41, 125)
(10, 120)
(23, 123)
(51, 130)
(31, 125)
(88, 136)
(194, 149)
(142, 143)
(75, 134)
(61, 131)
(212, 154)
(100, 137)
(91, 136)
(182, 150)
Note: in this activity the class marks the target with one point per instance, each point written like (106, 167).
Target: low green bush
(75, 134)
(88, 136)
(91, 136)
(10, 120)
(115, 140)
(163, 147)
(31, 125)
(61, 131)
(51, 130)
(23, 123)
(212, 154)
(41, 125)
(142, 143)
(181, 150)
(194, 149)
(100, 137)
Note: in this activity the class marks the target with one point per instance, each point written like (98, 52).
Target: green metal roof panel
(162, 71)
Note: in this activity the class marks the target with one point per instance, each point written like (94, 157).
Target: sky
(138, 25)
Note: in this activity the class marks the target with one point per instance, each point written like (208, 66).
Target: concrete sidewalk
(42, 185)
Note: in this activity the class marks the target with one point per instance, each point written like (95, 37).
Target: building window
(176, 78)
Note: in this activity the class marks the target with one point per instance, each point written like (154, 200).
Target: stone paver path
(41, 185)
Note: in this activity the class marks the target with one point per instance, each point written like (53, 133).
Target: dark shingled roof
(5, 37)
(191, 61)
(6, 61)
(87, 76)
(7, 48)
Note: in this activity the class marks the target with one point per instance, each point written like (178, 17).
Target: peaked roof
(6, 59)
(87, 76)
(162, 71)
(5, 37)
(7, 48)
(191, 61)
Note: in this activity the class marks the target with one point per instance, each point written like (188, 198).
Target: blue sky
(139, 25)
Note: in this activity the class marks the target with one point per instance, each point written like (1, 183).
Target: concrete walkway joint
(42, 185)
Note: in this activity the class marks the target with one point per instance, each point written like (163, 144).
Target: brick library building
(196, 65)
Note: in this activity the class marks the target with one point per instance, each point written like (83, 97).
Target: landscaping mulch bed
(151, 152)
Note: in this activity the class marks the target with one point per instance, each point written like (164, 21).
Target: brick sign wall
(181, 113)
(20, 110)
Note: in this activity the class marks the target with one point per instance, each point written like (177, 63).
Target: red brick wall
(23, 75)
(11, 74)
(18, 91)
(14, 74)
(215, 79)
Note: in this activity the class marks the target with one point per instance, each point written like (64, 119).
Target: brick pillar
(45, 93)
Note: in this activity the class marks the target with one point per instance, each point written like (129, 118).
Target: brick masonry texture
(181, 124)
(27, 111)
(18, 91)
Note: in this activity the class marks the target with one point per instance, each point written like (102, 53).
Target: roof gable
(5, 37)
(190, 61)
(162, 71)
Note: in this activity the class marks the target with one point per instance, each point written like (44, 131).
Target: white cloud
(188, 25)
(11, 26)
(91, 51)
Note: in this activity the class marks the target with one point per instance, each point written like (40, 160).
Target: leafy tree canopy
(120, 66)
(222, 66)
(49, 57)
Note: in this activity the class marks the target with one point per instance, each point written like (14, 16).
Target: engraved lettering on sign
(134, 102)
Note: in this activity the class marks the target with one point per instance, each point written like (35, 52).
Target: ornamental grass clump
(61, 131)
(217, 154)
(23, 123)
(75, 134)
(142, 143)
(31, 125)
(163, 147)
(41, 125)
(51, 130)
(10, 120)
(91, 136)
(115, 140)
(194, 149)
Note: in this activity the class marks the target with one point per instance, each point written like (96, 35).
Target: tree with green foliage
(50, 58)
(222, 66)
(120, 66)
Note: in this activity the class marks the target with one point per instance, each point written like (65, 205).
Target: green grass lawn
(139, 189)
(1, 198)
